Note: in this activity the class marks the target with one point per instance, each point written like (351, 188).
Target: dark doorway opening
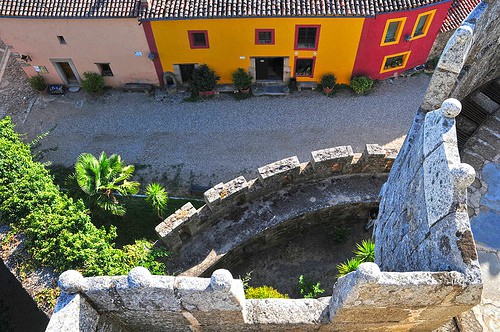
(269, 69)
(67, 72)
(186, 72)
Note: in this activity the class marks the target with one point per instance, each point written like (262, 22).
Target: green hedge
(59, 231)
(264, 292)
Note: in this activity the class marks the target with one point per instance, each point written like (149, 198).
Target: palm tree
(101, 179)
(157, 196)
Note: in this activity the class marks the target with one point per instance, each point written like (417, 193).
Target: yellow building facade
(273, 49)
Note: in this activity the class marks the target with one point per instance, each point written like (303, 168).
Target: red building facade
(394, 42)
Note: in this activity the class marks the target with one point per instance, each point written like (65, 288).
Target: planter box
(206, 93)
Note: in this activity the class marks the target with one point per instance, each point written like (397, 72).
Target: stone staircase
(478, 133)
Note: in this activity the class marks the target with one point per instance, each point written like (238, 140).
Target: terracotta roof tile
(182, 9)
(69, 8)
(457, 13)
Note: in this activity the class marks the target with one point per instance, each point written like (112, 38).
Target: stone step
(485, 102)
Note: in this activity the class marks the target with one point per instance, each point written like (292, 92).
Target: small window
(306, 37)
(422, 24)
(394, 61)
(104, 69)
(61, 40)
(304, 67)
(198, 39)
(392, 31)
(264, 36)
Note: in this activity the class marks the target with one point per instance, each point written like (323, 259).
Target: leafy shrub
(264, 292)
(93, 83)
(58, 230)
(157, 197)
(37, 82)
(328, 81)
(309, 289)
(241, 79)
(361, 84)
(204, 79)
(365, 252)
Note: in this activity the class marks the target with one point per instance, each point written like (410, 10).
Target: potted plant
(38, 83)
(242, 80)
(204, 81)
(328, 83)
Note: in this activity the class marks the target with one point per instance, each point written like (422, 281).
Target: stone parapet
(327, 163)
(364, 300)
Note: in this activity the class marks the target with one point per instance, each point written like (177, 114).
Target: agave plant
(365, 251)
(101, 179)
(157, 196)
(349, 266)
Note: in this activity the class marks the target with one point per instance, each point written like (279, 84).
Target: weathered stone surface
(71, 281)
(331, 161)
(73, 314)
(286, 312)
(225, 193)
(279, 173)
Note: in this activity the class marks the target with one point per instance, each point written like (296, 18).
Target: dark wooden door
(68, 72)
(261, 68)
(186, 72)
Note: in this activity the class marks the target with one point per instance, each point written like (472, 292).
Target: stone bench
(306, 85)
(139, 87)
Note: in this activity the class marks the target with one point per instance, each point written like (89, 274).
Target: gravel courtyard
(180, 143)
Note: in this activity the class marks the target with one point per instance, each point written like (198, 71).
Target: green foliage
(340, 234)
(349, 266)
(37, 82)
(241, 79)
(102, 178)
(309, 289)
(361, 84)
(246, 280)
(328, 81)
(157, 196)
(58, 230)
(264, 292)
(93, 83)
(204, 79)
(365, 252)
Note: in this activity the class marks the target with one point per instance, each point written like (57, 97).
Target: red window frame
(191, 38)
(264, 30)
(315, 48)
(312, 66)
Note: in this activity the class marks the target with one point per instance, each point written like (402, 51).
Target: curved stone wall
(239, 210)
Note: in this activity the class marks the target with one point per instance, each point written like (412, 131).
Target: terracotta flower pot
(206, 93)
(327, 90)
(245, 91)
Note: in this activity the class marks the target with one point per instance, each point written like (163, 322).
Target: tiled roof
(182, 9)
(69, 8)
(457, 13)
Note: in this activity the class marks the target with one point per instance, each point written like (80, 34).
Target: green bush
(361, 84)
(264, 292)
(309, 289)
(349, 266)
(241, 79)
(58, 230)
(157, 197)
(37, 82)
(93, 83)
(328, 81)
(204, 79)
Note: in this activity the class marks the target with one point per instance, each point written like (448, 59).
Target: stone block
(279, 173)
(373, 159)
(356, 165)
(485, 102)
(287, 312)
(73, 313)
(157, 295)
(225, 194)
(179, 222)
(101, 291)
(328, 162)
